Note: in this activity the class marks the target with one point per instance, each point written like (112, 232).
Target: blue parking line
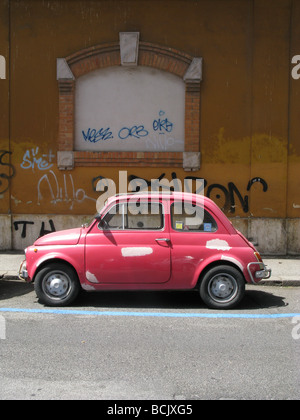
(149, 314)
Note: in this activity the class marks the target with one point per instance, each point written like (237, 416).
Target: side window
(144, 216)
(187, 217)
(134, 216)
(114, 219)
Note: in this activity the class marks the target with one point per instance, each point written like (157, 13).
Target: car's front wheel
(222, 287)
(57, 284)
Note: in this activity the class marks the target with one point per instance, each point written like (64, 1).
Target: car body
(158, 241)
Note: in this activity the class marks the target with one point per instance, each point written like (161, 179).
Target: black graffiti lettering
(4, 185)
(44, 231)
(177, 186)
(25, 223)
(95, 182)
(155, 183)
(244, 201)
(24, 229)
(229, 197)
(257, 179)
(198, 188)
(218, 195)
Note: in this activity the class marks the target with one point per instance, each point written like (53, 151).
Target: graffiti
(31, 161)
(25, 223)
(61, 193)
(190, 183)
(261, 180)
(44, 231)
(161, 142)
(93, 136)
(227, 196)
(2, 67)
(4, 177)
(231, 191)
(135, 131)
(229, 204)
(160, 126)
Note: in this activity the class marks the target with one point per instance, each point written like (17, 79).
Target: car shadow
(254, 299)
(171, 300)
(14, 288)
(259, 299)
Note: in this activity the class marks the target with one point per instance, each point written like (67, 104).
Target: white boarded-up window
(130, 109)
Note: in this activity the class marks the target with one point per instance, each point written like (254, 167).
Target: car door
(131, 245)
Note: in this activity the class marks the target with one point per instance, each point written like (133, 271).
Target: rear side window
(188, 217)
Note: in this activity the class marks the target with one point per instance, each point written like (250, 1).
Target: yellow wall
(5, 171)
(249, 102)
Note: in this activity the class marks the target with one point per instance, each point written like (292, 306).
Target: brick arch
(107, 55)
(94, 58)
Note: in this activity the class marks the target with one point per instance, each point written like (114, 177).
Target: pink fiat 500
(175, 241)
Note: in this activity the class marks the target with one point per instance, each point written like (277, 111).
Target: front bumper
(23, 274)
(262, 273)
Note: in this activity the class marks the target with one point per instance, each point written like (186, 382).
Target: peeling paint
(91, 277)
(269, 209)
(218, 244)
(136, 251)
(88, 287)
(233, 260)
(15, 200)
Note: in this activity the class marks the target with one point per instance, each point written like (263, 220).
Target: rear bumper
(262, 273)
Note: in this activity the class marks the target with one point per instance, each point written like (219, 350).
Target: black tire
(222, 287)
(57, 284)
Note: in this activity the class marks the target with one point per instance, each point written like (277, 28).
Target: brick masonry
(151, 55)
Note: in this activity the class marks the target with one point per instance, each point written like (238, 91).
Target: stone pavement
(10, 262)
(285, 271)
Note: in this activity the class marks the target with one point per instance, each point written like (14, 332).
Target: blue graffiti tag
(135, 131)
(162, 125)
(93, 136)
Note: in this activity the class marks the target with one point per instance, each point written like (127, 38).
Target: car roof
(177, 196)
(162, 195)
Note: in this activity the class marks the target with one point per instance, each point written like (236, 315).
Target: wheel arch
(54, 260)
(215, 263)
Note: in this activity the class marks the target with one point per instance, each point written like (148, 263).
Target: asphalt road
(149, 346)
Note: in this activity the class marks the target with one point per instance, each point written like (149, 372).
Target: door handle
(162, 240)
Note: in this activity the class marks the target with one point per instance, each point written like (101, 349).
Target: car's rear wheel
(222, 287)
(57, 284)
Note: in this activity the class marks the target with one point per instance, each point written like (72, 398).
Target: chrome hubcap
(222, 287)
(57, 285)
